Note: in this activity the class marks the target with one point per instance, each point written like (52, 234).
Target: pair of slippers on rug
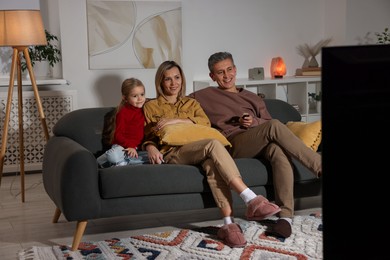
(233, 236)
(258, 209)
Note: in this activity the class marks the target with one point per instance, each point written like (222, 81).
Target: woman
(172, 107)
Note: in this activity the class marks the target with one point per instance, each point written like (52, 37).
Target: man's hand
(246, 120)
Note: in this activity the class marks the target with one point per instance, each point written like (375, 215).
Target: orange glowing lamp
(278, 68)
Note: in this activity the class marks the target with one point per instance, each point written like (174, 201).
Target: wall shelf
(4, 82)
(293, 90)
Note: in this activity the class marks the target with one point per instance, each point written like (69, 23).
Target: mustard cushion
(309, 133)
(180, 134)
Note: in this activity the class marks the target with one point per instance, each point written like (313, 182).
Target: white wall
(364, 18)
(254, 31)
(19, 4)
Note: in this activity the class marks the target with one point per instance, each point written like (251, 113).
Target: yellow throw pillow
(309, 133)
(180, 134)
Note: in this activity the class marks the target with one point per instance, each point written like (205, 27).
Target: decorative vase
(313, 62)
(305, 63)
(318, 106)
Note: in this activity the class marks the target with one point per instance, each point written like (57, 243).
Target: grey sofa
(83, 191)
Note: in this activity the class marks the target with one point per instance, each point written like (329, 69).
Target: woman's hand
(246, 120)
(155, 157)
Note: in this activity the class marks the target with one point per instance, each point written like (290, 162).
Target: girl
(126, 131)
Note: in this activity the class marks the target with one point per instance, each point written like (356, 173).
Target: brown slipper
(260, 208)
(282, 228)
(232, 235)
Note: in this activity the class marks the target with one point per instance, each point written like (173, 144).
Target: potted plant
(383, 37)
(317, 98)
(49, 53)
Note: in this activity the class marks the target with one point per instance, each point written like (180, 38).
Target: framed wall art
(133, 34)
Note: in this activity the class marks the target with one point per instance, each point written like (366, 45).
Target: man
(243, 118)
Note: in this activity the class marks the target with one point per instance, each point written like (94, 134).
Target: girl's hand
(131, 152)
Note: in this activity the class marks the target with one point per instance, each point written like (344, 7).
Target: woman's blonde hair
(167, 65)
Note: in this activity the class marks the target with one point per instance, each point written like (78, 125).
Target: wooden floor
(29, 223)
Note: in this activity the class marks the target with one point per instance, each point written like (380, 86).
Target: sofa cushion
(181, 134)
(282, 110)
(309, 133)
(148, 179)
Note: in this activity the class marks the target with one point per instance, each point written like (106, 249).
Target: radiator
(56, 103)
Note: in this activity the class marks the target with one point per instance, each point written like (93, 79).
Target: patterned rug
(201, 243)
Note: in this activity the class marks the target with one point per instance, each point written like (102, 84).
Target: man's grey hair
(217, 57)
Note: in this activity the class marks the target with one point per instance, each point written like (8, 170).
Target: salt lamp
(278, 68)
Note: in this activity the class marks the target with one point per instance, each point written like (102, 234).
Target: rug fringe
(33, 253)
(28, 254)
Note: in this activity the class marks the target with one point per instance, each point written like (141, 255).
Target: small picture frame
(256, 73)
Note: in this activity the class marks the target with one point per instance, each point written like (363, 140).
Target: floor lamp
(20, 29)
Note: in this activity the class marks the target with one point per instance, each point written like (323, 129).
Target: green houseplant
(383, 37)
(315, 96)
(50, 52)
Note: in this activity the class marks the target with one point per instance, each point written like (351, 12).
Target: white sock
(228, 220)
(247, 195)
(289, 220)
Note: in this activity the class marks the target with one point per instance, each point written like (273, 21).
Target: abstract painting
(126, 34)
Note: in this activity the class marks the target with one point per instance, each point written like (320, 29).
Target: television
(356, 151)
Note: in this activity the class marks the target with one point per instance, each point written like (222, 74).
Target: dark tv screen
(356, 150)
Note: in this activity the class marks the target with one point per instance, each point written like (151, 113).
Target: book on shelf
(308, 72)
(311, 73)
(311, 69)
(296, 106)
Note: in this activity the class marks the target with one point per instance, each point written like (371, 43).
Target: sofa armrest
(70, 178)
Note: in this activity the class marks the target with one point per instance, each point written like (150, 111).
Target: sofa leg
(57, 215)
(81, 225)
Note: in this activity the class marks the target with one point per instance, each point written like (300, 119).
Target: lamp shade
(21, 28)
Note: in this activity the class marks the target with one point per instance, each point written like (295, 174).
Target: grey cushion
(281, 110)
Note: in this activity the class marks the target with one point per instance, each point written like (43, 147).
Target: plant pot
(318, 106)
(41, 69)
